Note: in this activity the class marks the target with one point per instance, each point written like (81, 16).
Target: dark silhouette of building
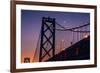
(27, 60)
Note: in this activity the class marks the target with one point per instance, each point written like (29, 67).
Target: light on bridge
(86, 36)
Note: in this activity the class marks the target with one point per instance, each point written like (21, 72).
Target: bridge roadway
(78, 51)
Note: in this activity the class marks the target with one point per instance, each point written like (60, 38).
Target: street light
(86, 36)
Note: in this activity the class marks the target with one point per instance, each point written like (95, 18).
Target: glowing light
(86, 36)
(62, 40)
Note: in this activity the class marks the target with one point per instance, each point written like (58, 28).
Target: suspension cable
(72, 29)
(37, 46)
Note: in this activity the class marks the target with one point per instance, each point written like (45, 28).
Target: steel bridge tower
(47, 42)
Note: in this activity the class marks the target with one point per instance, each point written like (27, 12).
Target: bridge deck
(78, 51)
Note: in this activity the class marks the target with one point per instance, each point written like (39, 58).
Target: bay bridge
(59, 43)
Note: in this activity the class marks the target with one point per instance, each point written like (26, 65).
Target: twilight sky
(31, 23)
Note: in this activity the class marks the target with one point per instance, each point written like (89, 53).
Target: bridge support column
(47, 43)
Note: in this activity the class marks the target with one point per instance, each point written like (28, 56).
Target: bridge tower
(47, 42)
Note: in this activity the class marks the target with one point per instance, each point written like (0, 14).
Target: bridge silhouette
(59, 43)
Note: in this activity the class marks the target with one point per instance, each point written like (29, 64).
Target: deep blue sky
(31, 22)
